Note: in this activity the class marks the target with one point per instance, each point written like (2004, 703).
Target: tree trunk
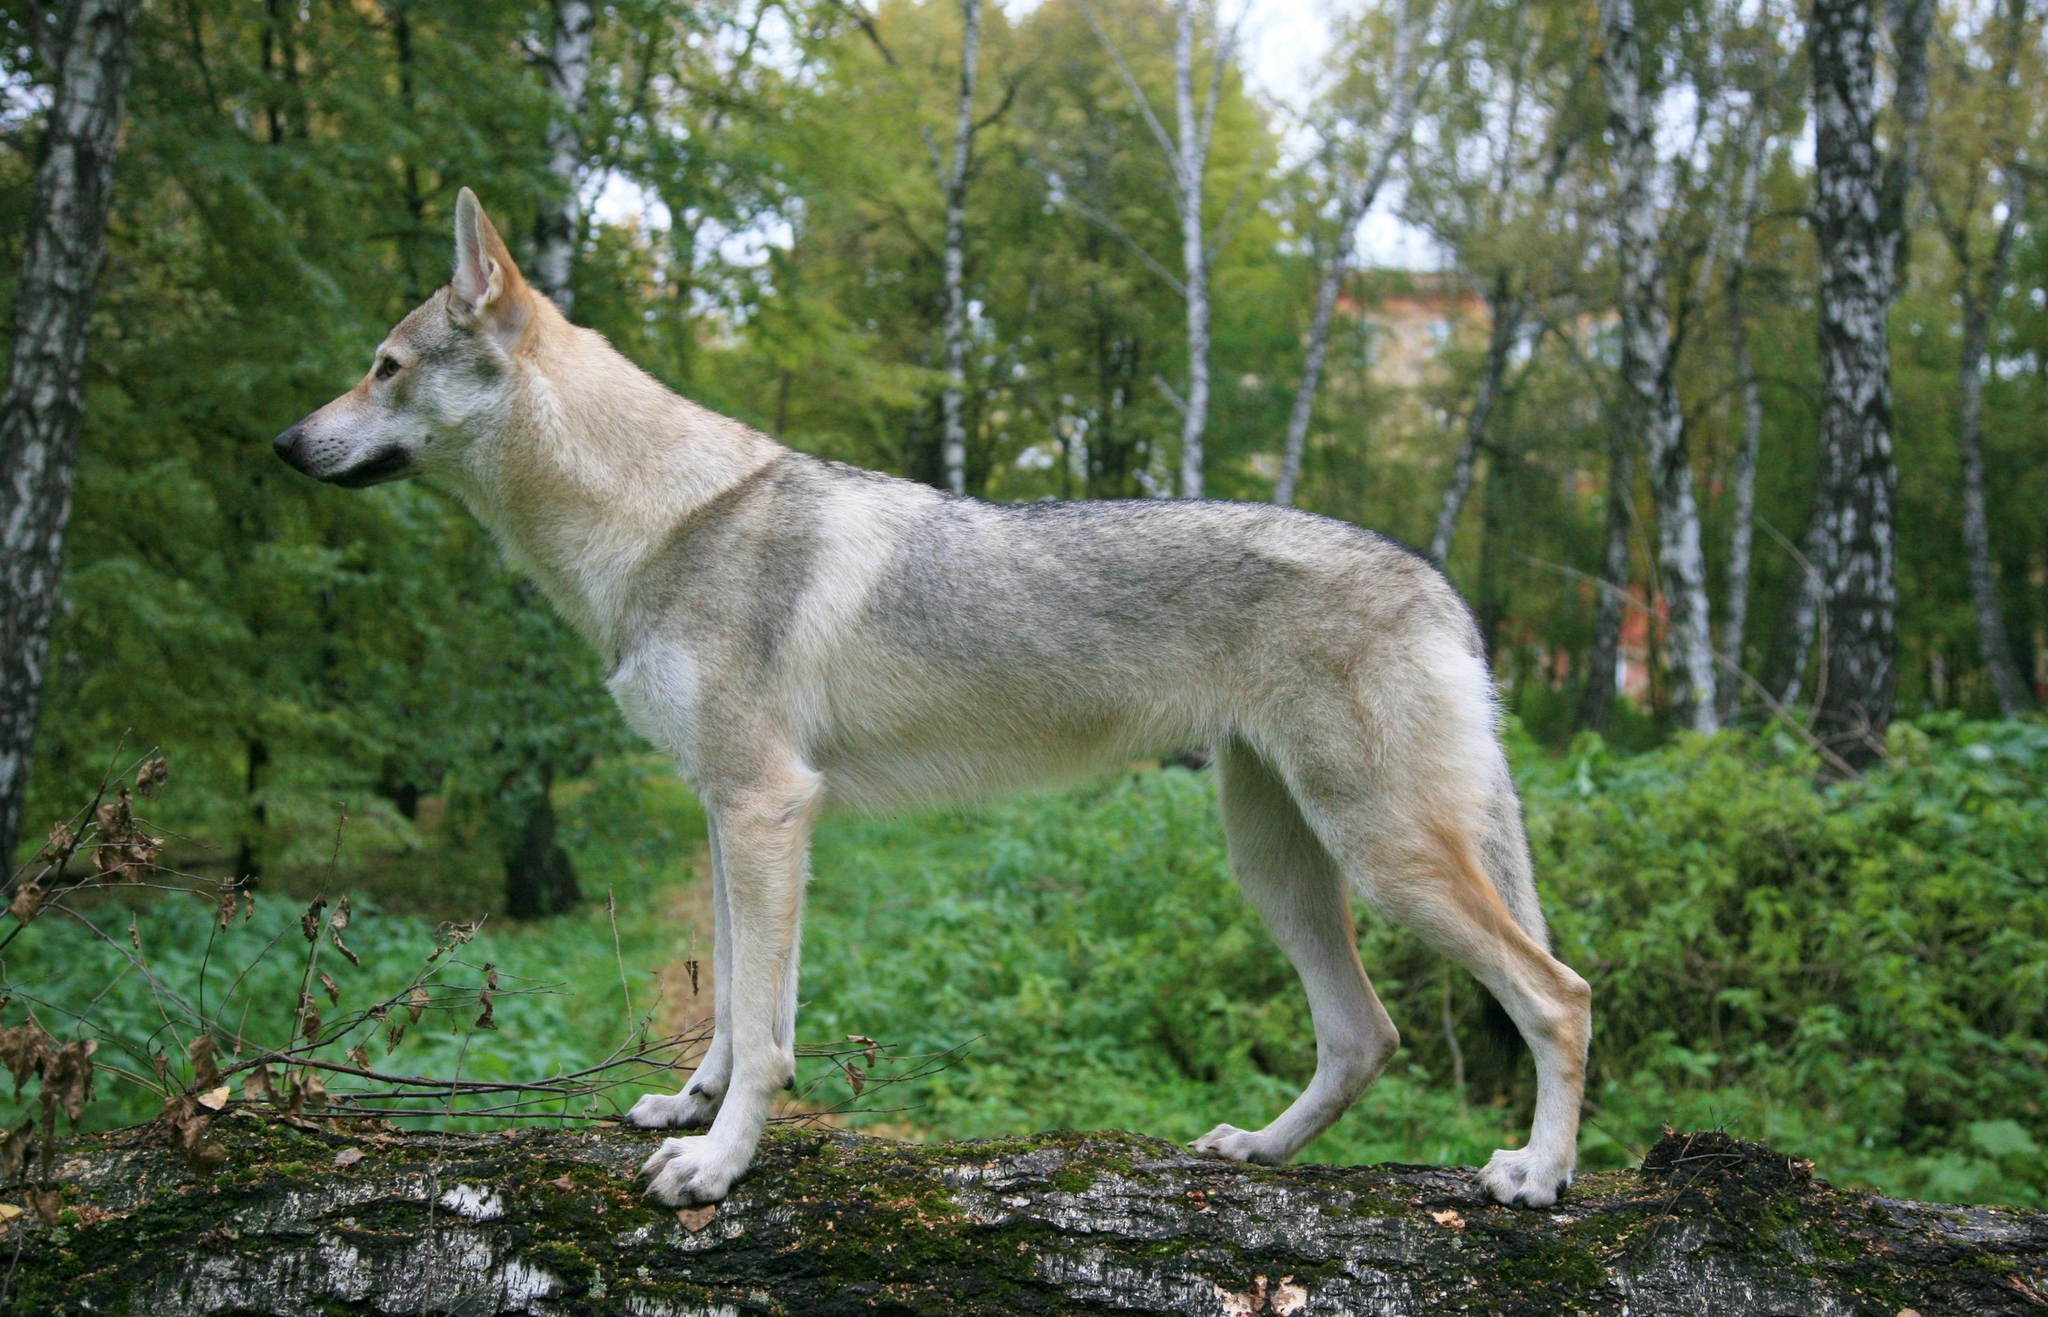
(1742, 512)
(1649, 390)
(540, 879)
(1356, 199)
(1996, 647)
(1507, 326)
(1858, 477)
(1067, 1223)
(87, 52)
(955, 398)
(1596, 703)
(561, 218)
(1192, 169)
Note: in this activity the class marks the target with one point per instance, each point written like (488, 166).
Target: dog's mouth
(385, 464)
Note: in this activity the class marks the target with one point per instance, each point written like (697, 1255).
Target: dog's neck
(596, 467)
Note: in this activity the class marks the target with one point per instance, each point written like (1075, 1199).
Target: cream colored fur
(796, 634)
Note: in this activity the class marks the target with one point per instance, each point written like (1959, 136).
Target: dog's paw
(1236, 1145)
(692, 1172)
(691, 1109)
(1523, 1178)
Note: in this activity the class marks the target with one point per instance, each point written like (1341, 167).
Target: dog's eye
(387, 367)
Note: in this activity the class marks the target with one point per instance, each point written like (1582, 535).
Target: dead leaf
(256, 1085)
(151, 775)
(69, 1078)
(26, 1051)
(694, 1219)
(200, 1052)
(347, 1157)
(359, 1056)
(309, 923)
(416, 1002)
(214, 1099)
(315, 1090)
(15, 1150)
(206, 1158)
(46, 1203)
(564, 1183)
(28, 899)
(336, 922)
(1448, 1217)
(328, 986)
(9, 1211)
(856, 1078)
(309, 1018)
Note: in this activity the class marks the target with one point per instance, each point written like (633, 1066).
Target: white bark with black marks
(1648, 402)
(567, 66)
(1193, 167)
(953, 404)
(1858, 222)
(86, 47)
(1742, 497)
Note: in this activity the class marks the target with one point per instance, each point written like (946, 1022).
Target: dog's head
(440, 383)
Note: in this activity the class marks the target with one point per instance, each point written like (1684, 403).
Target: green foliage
(1856, 973)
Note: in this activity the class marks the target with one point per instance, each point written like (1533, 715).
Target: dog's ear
(487, 292)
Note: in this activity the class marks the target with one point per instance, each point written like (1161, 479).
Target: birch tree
(1859, 223)
(1649, 388)
(1979, 183)
(1360, 146)
(566, 65)
(84, 46)
(954, 400)
(1186, 150)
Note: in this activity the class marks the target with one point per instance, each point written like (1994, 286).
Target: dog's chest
(657, 690)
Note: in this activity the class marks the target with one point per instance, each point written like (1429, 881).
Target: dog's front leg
(694, 1107)
(763, 838)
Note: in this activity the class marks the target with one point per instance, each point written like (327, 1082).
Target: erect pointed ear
(487, 291)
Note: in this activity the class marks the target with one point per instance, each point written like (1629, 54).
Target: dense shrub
(1857, 972)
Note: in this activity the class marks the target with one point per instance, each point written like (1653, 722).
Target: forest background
(1100, 267)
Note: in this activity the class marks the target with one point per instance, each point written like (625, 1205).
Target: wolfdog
(798, 633)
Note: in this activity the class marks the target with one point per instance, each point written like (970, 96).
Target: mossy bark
(548, 1222)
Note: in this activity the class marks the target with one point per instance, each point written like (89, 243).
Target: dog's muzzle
(381, 465)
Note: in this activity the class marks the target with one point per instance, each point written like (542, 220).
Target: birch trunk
(1507, 315)
(1742, 513)
(43, 409)
(954, 401)
(1856, 222)
(561, 217)
(1980, 298)
(1192, 169)
(1649, 393)
(1357, 199)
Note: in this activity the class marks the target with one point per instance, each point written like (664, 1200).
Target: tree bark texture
(87, 52)
(1192, 167)
(1507, 312)
(1648, 401)
(1066, 1223)
(954, 401)
(1356, 194)
(1858, 217)
(1742, 497)
(561, 218)
(1979, 292)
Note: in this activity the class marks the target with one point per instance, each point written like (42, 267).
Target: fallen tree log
(304, 1220)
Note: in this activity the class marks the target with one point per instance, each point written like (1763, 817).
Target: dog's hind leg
(1290, 878)
(697, 1104)
(1419, 850)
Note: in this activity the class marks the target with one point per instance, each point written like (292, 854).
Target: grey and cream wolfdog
(797, 633)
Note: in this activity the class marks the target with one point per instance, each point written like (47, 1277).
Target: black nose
(287, 444)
